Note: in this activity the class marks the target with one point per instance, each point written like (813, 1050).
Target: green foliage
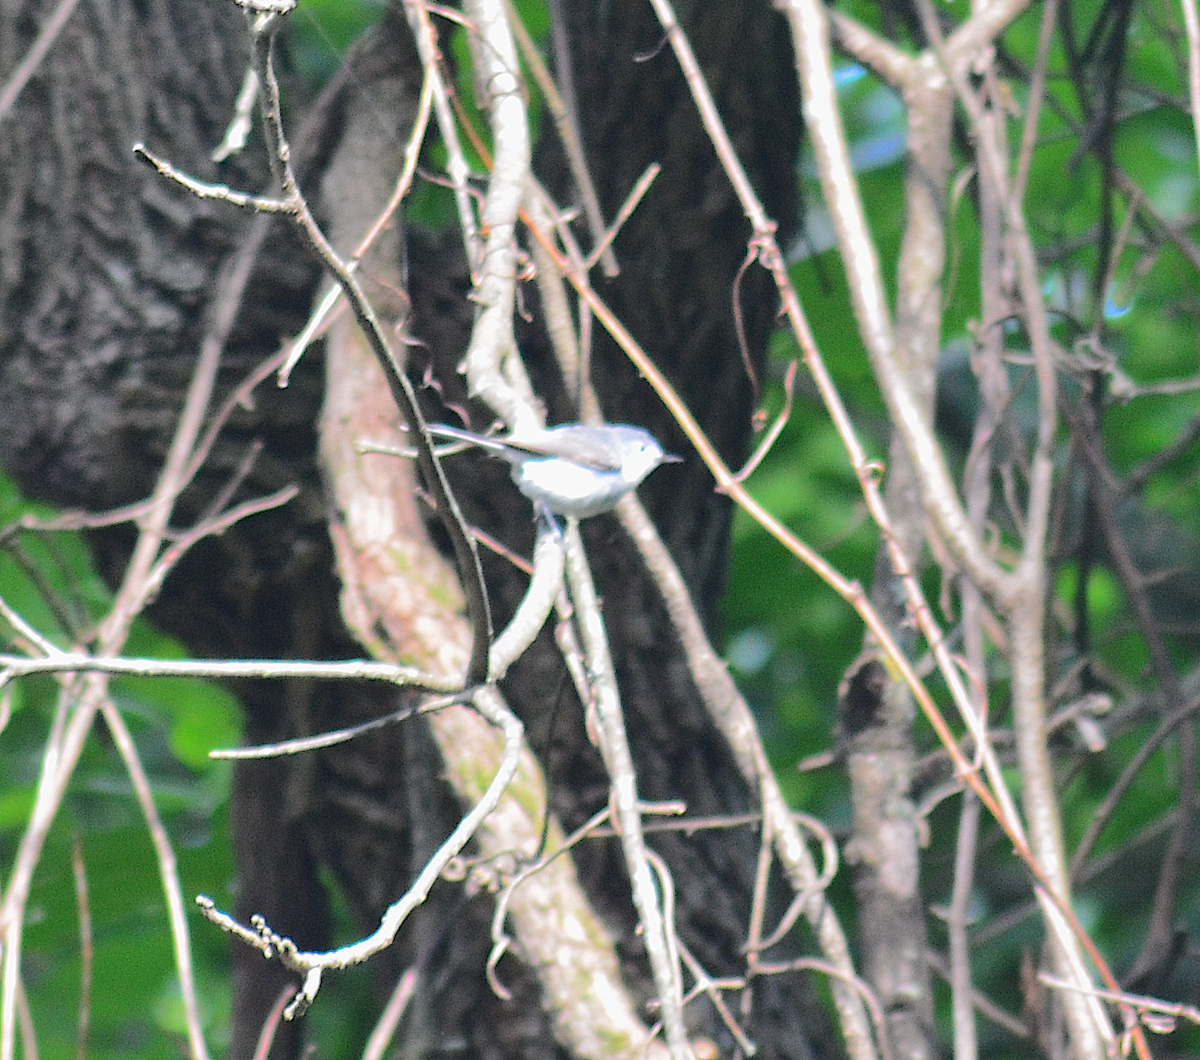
(790, 640)
(790, 637)
(135, 1008)
(322, 30)
(174, 723)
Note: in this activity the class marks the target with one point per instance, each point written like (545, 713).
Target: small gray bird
(572, 470)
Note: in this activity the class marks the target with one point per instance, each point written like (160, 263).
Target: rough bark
(105, 286)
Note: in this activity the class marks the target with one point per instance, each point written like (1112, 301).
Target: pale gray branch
(614, 746)
(488, 701)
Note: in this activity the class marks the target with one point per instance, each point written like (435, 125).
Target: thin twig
(203, 189)
(860, 987)
(393, 1012)
(566, 122)
(712, 989)
(456, 166)
(240, 396)
(401, 388)
(491, 706)
(630, 204)
(412, 152)
(87, 949)
(957, 922)
(13, 666)
(83, 697)
(987, 1008)
(1037, 92)
(618, 760)
(266, 1035)
(306, 744)
(167, 866)
(27, 67)
(1191, 25)
(776, 429)
(1175, 233)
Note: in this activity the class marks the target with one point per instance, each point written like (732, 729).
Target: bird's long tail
(495, 445)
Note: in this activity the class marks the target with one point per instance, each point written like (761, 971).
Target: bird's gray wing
(594, 447)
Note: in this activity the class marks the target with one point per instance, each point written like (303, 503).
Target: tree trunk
(107, 285)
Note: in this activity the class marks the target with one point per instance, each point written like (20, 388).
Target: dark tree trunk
(105, 290)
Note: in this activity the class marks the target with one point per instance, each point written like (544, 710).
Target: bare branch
(167, 867)
(459, 171)
(204, 190)
(87, 949)
(82, 698)
(27, 67)
(398, 383)
(614, 746)
(1191, 23)
(12, 666)
(493, 369)
(566, 122)
(488, 702)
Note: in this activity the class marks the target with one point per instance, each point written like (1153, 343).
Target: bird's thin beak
(671, 458)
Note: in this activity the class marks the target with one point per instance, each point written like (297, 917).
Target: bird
(572, 470)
